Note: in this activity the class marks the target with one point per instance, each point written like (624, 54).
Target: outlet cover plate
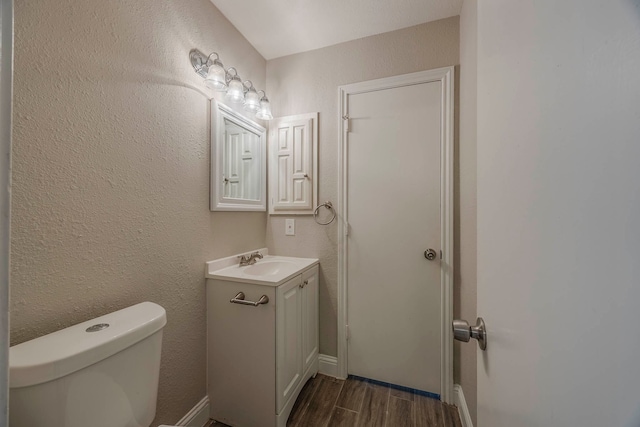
(290, 227)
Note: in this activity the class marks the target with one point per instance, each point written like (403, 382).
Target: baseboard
(198, 416)
(328, 365)
(461, 403)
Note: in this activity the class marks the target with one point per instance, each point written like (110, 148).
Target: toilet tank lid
(68, 350)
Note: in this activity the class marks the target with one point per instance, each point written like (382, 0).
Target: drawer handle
(239, 299)
(305, 283)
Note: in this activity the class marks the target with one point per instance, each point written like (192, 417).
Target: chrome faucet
(250, 259)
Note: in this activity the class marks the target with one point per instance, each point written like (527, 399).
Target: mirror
(238, 161)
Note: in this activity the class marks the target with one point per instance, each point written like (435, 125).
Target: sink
(268, 268)
(271, 270)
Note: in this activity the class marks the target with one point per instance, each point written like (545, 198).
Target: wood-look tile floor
(326, 401)
(330, 402)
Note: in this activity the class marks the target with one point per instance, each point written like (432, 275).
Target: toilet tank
(99, 373)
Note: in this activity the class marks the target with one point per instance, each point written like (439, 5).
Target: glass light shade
(252, 100)
(264, 113)
(235, 91)
(216, 77)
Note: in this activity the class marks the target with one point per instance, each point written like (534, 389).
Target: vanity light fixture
(227, 80)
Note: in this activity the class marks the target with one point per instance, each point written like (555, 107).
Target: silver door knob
(430, 254)
(463, 332)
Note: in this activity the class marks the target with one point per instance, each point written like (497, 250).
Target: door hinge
(347, 333)
(347, 229)
(346, 124)
(441, 254)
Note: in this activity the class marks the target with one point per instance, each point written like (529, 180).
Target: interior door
(558, 213)
(393, 211)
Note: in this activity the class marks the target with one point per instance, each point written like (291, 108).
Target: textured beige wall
(308, 82)
(465, 290)
(111, 172)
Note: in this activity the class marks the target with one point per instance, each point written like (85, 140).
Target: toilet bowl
(99, 373)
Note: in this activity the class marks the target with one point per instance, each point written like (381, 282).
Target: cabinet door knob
(305, 283)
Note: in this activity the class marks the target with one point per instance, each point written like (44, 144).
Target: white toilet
(100, 373)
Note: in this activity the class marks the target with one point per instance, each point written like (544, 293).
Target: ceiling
(284, 27)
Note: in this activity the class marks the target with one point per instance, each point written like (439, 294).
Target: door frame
(6, 96)
(446, 77)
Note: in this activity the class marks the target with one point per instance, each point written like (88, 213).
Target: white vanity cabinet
(260, 357)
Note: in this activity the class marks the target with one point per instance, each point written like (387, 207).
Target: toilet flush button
(98, 327)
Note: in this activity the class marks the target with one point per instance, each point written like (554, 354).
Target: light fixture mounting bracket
(199, 61)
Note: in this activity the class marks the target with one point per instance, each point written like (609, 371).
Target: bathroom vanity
(262, 337)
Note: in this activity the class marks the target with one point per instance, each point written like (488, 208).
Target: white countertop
(270, 270)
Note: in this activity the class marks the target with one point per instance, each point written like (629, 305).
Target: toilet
(99, 373)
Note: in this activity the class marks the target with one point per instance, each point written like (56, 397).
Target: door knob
(430, 254)
(463, 332)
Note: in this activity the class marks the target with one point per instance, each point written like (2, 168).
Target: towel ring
(329, 206)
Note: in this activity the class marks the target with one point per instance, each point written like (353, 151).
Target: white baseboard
(198, 416)
(328, 365)
(461, 403)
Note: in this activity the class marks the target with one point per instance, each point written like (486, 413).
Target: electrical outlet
(290, 227)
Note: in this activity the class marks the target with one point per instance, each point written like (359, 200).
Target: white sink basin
(268, 268)
(271, 270)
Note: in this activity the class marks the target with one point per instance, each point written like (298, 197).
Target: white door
(559, 213)
(393, 212)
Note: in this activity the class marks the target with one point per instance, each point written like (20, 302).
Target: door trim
(445, 76)
(6, 126)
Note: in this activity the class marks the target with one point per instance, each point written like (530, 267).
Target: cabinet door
(241, 354)
(293, 176)
(310, 316)
(288, 339)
